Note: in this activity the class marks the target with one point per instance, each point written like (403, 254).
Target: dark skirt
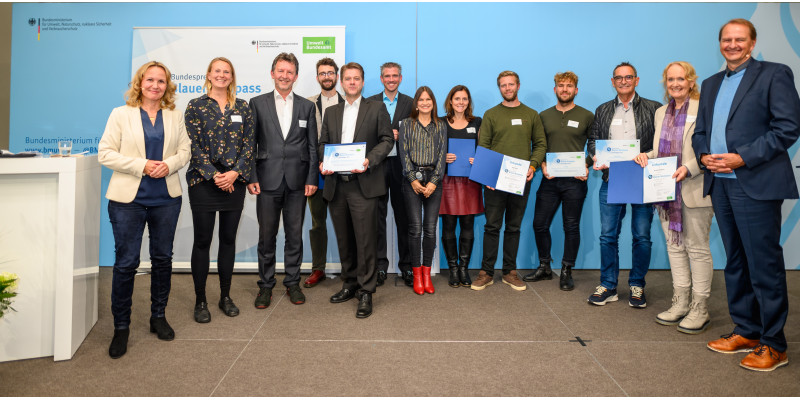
(460, 196)
(206, 196)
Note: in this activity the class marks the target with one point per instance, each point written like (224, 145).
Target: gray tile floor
(457, 342)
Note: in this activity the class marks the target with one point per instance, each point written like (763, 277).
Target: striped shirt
(422, 146)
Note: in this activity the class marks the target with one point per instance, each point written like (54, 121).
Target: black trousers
(269, 207)
(318, 235)
(498, 204)
(355, 223)
(569, 193)
(203, 222)
(394, 184)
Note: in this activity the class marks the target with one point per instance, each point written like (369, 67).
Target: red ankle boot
(418, 287)
(426, 279)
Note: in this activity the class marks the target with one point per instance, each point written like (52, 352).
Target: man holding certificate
(513, 129)
(627, 117)
(566, 126)
(353, 125)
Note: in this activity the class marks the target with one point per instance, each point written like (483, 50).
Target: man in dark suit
(285, 173)
(327, 76)
(399, 107)
(749, 116)
(353, 196)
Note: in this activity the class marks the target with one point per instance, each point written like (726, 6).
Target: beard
(512, 98)
(567, 100)
(327, 85)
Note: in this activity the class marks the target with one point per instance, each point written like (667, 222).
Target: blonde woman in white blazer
(145, 144)
(686, 222)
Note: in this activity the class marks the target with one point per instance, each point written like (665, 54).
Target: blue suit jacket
(763, 123)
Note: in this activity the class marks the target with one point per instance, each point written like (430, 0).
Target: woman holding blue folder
(462, 198)
(687, 220)
(422, 147)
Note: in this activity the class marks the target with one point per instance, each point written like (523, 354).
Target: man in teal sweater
(515, 130)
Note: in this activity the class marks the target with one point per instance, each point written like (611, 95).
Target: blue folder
(464, 149)
(486, 166)
(625, 183)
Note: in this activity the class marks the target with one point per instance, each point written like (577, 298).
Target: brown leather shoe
(316, 277)
(732, 343)
(765, 359)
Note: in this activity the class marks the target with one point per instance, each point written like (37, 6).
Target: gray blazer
(293, 158)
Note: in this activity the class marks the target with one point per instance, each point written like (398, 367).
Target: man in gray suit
(284, 174)
(399, 107)
(327, 75)
(353, 196)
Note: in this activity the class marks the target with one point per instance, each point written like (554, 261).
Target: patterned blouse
(221, 142)
(422, 146)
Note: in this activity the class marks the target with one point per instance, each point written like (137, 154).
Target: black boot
(565, 282)
(451, 253)
(542, 273)
(464, 253)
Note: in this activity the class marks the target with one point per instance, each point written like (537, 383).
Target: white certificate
(658, 183)
(566, 164)
(607, 151)
(344, 157)
(513, 175)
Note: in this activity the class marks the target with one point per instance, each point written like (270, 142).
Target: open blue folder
(464, 149)
(625, 183)
(486, 166)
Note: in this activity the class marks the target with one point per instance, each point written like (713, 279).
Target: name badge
(236, 118)
(691, 118)
(303, 123)
(573, 124)
(516, 121)
(616, 122)
(471, 129)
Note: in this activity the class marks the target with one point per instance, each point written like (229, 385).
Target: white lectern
(49, 236)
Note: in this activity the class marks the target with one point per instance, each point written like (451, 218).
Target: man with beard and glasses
(626, 117)
(327, 75)
(513, 129)
(399, 107)
(566, 126)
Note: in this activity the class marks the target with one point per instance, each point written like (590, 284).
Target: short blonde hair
(133, 97)
(689, 74)
(566, 76)
(505, 74)
(231, 90)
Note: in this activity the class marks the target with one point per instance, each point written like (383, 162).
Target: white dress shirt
(349, 120)
(284, 110)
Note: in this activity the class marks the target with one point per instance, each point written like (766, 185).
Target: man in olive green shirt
(567, 128)
(515, 130)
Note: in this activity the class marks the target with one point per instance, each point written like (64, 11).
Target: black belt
(347, 177)
(420, 173)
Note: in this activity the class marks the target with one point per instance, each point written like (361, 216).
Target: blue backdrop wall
(68, 76)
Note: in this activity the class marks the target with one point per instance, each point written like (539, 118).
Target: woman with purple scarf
(687, 220)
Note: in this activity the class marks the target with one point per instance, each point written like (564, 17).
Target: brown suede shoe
(482, 281)
(732, 343)
(511, 279)
(765, 359)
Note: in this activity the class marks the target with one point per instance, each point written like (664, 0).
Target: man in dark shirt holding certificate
(566, 126)
(515, 130)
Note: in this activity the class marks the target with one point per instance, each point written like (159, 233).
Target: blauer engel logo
(336, 154)
(608, 148)
(649, 176)
(558, 161)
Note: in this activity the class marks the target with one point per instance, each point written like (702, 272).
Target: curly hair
(133, 96)
(688, 73)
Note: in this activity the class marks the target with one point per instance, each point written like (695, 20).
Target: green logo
(633, 145)
(319, 44)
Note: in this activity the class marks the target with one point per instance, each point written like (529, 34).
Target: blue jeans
(127, 223)
(422, 227)
(611, 216)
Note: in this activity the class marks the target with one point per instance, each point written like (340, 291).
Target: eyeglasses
(620, 78)
(324, 74)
